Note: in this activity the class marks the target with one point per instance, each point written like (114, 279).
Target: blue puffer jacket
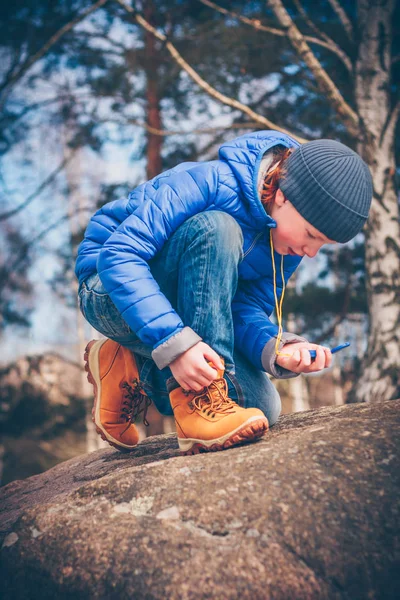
(125, 234)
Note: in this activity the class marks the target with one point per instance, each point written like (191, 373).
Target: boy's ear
(279, 197)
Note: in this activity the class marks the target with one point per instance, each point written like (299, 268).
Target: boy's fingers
(209, 372)
(321, 358)
(202, 381)
(319, 361)
(328, 355)
(206, 370)
(214, 358)
(184, 384)
(194, 384)
(324, 352)
(302, 358)
(296, 356)
(305, 357)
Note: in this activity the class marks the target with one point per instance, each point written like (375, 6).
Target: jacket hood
(244, 155)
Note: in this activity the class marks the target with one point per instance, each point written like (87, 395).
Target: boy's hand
(191, 369)
(300, 360)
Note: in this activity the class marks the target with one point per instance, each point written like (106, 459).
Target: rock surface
(309, 512)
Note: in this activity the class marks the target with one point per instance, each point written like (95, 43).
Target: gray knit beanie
(330, 186)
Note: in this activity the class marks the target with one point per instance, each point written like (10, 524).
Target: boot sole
(91, 367)
(251, 430)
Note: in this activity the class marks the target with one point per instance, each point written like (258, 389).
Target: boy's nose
(311, 252)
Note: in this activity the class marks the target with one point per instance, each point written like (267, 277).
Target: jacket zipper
(253, 243)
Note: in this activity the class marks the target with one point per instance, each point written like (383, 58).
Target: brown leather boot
(118, 394)
(209, 420)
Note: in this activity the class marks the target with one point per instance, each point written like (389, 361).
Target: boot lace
(136, 402)
(214, 399)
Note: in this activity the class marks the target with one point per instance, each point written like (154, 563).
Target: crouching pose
(182, 276)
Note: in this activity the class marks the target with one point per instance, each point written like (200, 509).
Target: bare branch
(219, 137)
(53, 40)
(348, 27)
(256, 23)
(234, 125)
(310, 23)
(325, 84)
(14, 62)
(199, 80)
(331, 44)
(166, 132)
(39, 189)
(328, 43)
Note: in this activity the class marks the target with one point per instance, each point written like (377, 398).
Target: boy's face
(293, 234)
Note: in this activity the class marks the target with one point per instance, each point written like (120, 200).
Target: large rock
(42, 414)
(310, 511)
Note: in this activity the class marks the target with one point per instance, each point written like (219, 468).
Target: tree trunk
(154, 142)
(381, 367)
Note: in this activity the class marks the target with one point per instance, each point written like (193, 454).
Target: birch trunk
(381, 366)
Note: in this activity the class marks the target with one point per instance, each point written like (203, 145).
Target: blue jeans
(197, 270)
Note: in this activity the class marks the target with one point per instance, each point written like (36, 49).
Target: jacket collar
(244, 155)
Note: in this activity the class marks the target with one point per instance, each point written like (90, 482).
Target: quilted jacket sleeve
(255, 334)
(123, 261)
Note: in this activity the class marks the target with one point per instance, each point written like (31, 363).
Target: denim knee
(253, 389)
(267, 399)
(222, 228)
(274, 407)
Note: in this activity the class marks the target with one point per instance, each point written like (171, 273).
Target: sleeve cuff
(174, 346)
(268, 356)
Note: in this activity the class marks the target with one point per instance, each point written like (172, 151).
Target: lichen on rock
(310, 511)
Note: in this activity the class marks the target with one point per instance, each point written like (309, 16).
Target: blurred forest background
(97, 97)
